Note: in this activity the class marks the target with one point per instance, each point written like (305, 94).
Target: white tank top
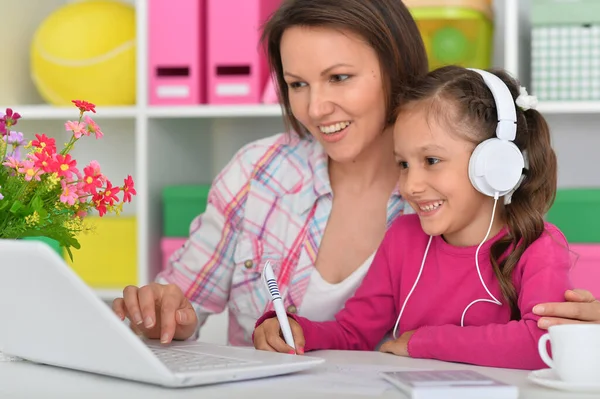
(323, 300)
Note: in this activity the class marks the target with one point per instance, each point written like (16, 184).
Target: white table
(28, 380)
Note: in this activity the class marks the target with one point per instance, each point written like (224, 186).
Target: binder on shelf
(270, 94)
(237, 69)
(176, 52)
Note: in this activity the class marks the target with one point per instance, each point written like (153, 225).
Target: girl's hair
(386, 25)
(460, 99)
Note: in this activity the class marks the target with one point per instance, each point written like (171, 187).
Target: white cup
(575, 352)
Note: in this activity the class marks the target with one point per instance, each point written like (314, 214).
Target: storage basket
(458, 32)
(576, 212)
(181, 204)
(108, 255)
(565, 46)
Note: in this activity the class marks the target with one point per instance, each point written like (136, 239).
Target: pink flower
(128, 189)
(44, 142)
(109, 194)
(95, 167)
(78, 128)
(65, 166)
(68, 196)
(10, 118)
(93, 127)
(91, 180)
(30, 171)
(43, 161)
(99, 203)
(12, 163)
(84, 106)
(96, 171)
(81, 214)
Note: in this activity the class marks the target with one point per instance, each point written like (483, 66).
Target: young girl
(320, 196)
(458, 280)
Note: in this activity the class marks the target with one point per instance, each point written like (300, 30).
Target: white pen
(284, 324)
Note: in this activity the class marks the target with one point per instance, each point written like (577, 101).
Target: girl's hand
(399, 346)
(268, 337)
(580, 307)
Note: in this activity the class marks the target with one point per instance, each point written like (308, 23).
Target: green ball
(450, 46)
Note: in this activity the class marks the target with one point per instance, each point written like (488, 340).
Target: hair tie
(526, 101)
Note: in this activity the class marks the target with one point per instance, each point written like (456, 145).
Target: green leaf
(16, 206)
(4, 205)
(70, 253)
(37, 204)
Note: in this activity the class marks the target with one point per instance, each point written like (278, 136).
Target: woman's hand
(581, 307)
(268, 337)
(399, 346)
(157, 311)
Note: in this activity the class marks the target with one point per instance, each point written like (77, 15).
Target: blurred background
(180, 86)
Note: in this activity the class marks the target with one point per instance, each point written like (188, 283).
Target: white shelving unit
(573, 124)
(201, 139)
(161, 146)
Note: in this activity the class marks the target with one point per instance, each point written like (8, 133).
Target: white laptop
(49, 315)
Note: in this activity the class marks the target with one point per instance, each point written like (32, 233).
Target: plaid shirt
(271, 201)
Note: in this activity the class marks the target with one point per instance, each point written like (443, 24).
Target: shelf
(569, 107)
(108, 294)
(215, 111)
(41, 112)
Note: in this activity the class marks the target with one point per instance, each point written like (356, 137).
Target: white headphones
(496, 165)
(495, 169)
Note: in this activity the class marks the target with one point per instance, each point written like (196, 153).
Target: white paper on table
(339, 378)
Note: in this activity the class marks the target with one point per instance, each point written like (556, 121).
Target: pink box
(168, 246)
(237, 69)
(270, 94)
(586, 272)
(176, 52)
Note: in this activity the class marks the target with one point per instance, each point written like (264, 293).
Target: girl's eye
(432, 161)
(296, 85)
(339, 78)
(403, 164)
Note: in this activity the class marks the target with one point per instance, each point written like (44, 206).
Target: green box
(52, 243)
(576, 212)
(455, 35)
(181, 204)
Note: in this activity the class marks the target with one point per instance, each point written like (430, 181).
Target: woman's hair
(386, 25)
(460, 99)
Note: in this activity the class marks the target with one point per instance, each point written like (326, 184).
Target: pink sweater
(448, 283)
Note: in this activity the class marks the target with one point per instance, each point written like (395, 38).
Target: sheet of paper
(339, 378)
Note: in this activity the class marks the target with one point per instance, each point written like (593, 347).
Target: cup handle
(544, 352)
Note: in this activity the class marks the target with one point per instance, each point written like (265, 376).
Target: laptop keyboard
(179, 361)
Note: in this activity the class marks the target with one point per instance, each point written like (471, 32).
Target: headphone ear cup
(495, 167)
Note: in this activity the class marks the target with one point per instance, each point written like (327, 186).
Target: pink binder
(176, 52)
(237, 68)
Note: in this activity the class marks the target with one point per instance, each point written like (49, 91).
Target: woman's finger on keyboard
(186, 318)
(118, 306)
(130, 298)
(171, 298)
(147, 301)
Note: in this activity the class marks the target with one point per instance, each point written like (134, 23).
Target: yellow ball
(86, 51)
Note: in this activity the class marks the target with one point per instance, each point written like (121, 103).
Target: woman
(316, 201)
